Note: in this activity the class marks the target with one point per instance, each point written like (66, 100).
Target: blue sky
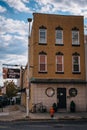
(14, 25)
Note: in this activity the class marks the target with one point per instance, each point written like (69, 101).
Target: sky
(14, 25)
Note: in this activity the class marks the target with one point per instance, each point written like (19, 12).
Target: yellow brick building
(57, 61)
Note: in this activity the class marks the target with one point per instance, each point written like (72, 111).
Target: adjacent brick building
(57, 61)
(86, 54)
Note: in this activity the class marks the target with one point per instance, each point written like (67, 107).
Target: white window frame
(62, 63)
(74, 64)
(43, 40)
(59, 40)
(75, 32)
(45, 63)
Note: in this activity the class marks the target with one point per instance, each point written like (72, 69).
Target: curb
(42, 120)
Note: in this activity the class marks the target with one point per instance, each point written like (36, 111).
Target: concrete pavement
(16, 112)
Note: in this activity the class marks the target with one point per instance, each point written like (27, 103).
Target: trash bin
(72, 106)
(1, 106)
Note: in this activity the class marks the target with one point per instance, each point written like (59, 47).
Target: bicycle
(39, 107)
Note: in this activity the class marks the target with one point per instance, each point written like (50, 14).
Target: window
(75, 36)
(42, 35)
(42, 62)
(59, 36)
(59, 63)
(76, 63)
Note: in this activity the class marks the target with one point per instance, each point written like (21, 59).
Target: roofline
(58, 14)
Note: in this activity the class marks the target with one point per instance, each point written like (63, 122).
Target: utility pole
(28, 72)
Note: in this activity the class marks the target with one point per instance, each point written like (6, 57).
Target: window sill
(59, 44)
(42, 43)
(40, 72)
(59, 72)
(76, 45)
(76, 72)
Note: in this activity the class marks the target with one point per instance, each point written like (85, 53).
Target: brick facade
(50, 82)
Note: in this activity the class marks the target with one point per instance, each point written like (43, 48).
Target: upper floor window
(59, 36)
(42, 35)
(75, 36)
(42, 62)
(76, 63)
(59, 62)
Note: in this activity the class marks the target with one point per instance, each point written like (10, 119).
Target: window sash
(76, 63)
(76, 68)
(42, 63)
(75, 37)
(59, 68)
(59, 36)
(42, 35)
(59, 63)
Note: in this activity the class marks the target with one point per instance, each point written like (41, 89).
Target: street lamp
(85, 29)
(27, 89)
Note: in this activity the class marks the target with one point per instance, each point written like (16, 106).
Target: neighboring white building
(3, 90)
(18, 82)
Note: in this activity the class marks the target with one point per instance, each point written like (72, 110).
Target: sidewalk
(16, 112)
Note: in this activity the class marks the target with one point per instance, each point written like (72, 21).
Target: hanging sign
(11, 73)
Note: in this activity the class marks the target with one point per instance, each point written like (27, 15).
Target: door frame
(61, 98)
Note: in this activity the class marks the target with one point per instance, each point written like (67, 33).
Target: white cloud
(12, 30)
(2, 9)
(5, 39)
(19, 5)
(16, 59)
(13, 26)
(13, 42)
(76, 7)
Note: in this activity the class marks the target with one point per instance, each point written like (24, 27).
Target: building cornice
(58, 81)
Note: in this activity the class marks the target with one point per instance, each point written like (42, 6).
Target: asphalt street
(44, 125)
